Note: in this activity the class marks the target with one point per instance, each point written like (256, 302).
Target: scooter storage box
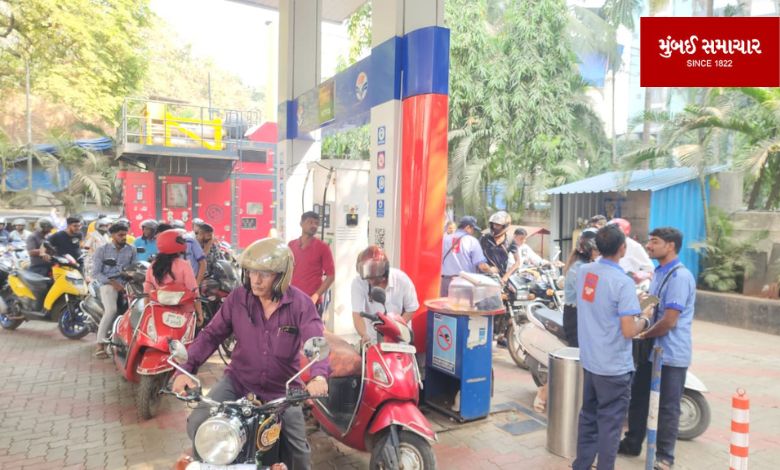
(470, 291)
(343, 394)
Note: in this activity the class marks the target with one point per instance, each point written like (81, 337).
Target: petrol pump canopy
(332, 10)
(637, 180)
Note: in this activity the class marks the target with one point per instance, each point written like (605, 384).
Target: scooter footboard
(404, 414)
(153, 361)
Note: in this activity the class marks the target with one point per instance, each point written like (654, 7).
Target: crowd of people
(602, 317)
(601, 309)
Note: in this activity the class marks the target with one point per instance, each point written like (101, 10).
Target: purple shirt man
(267, 350)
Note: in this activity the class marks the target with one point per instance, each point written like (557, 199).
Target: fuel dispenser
(340, 196)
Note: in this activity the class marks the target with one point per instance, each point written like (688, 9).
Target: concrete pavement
(62, 408)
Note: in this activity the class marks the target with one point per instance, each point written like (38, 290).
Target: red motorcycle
(139, 343)
(377, 411)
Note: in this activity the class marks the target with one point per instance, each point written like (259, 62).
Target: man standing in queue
(270, 320)
(314, 268)
(607, 320)
(675, 286)
(461, 251)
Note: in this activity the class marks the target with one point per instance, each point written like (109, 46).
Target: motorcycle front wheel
(513, 344)
(72, 322)
(11, 308)
(694, 415)
(148, 395)
(414, 453)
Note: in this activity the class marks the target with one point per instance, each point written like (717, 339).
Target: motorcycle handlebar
(370, 316)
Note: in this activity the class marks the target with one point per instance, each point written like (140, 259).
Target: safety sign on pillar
(740, 430)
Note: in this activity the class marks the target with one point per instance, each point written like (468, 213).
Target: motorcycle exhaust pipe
(3, 307)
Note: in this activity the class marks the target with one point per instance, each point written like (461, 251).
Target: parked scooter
(377, 412)
(30, 296)
(139, 342)
(242, 434)
(544, 334)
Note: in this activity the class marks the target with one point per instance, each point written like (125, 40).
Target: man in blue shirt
(461, 251)
(607, 309)
(675, 286)
(147, 240)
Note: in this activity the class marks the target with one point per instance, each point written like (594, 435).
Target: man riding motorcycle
(495, 244)
(40, 260)
(270, 320)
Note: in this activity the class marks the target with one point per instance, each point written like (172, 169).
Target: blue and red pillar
(424, 163)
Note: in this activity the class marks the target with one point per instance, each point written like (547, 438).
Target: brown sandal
(101, 353)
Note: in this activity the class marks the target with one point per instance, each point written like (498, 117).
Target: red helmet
(171, 242)
(372, 263)
(624, 225)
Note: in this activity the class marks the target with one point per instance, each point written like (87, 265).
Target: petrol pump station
(400, 92)
(340, 196)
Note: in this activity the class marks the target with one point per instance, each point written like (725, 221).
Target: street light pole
(29, 125)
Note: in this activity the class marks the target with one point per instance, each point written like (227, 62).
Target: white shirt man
(636, 261)
(401, 297)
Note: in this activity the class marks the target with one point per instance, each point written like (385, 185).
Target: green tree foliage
(518, 112)
(88, 55)
(175, 73)
(726, 261)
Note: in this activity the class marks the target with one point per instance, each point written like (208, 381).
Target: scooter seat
(551, 319)
(36, 282)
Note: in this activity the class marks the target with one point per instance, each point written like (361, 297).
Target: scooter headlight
(151, 329)
(378, 372)
(219, 440)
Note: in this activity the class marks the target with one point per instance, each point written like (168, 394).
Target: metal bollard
(740, 431)
(564, 400)
(652, 414)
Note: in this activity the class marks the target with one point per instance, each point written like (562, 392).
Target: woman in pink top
(170, 268)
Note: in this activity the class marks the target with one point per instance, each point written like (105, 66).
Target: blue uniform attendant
(604, 295)
(460, 252)
(149, 246)
(678, 293)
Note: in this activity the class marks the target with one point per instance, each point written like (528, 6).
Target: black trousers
(570, 325)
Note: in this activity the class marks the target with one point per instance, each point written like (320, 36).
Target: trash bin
(564, 400)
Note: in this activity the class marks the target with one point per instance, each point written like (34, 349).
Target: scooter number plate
(174, 320)
(400, 348)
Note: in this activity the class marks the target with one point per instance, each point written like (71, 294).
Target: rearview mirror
(314, 346)
(140, 249)
(178, 351)
(109, 262)
(378, 295)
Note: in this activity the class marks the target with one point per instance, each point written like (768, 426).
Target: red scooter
(139, 343)
(377, 410)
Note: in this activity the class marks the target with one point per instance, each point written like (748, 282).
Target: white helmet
(499, 223)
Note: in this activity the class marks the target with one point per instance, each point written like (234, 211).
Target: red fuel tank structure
(185, 162)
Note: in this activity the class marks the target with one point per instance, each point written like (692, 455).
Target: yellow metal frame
(158, 112)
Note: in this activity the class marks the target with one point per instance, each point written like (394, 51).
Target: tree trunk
(754, 193)
(705, 205)
(774, 193)
(646, 123)
(614, 132)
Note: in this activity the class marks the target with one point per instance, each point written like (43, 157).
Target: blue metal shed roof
(637, 180)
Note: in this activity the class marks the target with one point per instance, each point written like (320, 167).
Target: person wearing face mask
(111, 284)
(374, 270)
(270, 320)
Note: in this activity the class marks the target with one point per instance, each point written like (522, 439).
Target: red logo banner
(709, 52)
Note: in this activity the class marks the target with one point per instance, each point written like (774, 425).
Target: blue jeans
(604, 405)
(672, 386)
